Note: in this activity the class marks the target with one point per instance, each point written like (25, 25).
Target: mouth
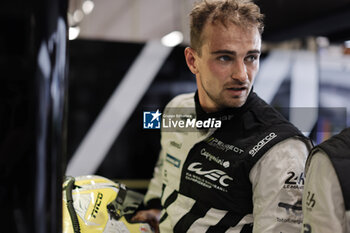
(237, 88)
(237, 91)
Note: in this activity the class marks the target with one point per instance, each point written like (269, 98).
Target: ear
(191, 57)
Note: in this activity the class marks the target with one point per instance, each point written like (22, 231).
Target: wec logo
(214, 174)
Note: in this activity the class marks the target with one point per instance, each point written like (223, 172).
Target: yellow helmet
(96, 204)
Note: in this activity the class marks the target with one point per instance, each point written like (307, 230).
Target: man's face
(227, 66)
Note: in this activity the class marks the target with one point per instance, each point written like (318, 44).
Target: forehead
(230, 37)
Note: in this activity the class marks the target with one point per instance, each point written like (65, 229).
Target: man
(247, 175)
(326, 200)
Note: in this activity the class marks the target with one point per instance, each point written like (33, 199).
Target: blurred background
(76, 77)
(305, 73)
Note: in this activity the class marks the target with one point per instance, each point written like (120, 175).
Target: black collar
(224, 114)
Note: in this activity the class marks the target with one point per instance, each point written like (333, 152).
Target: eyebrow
(234, 53)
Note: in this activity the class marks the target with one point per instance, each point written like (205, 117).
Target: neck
(207, 106)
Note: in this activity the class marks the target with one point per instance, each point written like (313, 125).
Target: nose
(239, 71)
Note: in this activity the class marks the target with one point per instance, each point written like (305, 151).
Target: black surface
(96, 68)
(32, 118)
(287, 20)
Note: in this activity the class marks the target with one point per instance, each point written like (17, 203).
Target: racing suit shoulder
(277, 182)
(327, 192)
(323, 203)
(338, 150)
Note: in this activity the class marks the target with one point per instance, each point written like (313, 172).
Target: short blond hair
(243, 13)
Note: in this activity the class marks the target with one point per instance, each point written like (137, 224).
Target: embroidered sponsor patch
(213, 178)
(174, 161)
(214, 158)
(294, 181)
(214, 142)
(262, 143)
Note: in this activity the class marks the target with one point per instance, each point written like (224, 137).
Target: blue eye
(251, 58)
(225, 58)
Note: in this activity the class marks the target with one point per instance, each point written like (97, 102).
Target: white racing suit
(246, 176)
(326, 200)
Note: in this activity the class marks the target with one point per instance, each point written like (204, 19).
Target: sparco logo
(262, 143)
(214, 174)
